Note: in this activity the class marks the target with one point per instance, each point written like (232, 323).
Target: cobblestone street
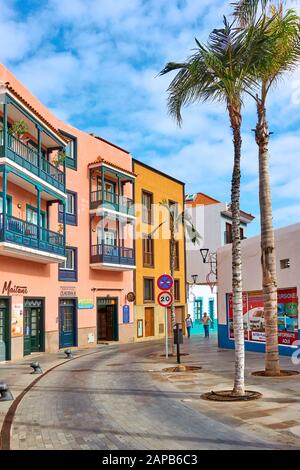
(119, 398)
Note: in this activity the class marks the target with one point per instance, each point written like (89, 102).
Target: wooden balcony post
(119, 193)
(4, 197)
(38, 213)
(39, 145)
(5, 127)
(64, 221)
(102, 184)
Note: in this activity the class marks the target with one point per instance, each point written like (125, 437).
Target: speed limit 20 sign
(165, 299)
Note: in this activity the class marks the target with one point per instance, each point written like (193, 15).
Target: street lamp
(194, 277)
(209, 258)
(204, 253)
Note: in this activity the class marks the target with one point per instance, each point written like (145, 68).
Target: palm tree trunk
(173, 253)
(237, 290)
(268, 256)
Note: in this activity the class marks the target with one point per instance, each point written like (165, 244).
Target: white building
(213, 221)
(288, 274)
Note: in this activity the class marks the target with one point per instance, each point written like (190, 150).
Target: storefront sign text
(9, 289)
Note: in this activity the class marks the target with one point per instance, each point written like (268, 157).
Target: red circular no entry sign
(165, 282)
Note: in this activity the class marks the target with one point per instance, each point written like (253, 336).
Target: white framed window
(70, 207)
(69, 264)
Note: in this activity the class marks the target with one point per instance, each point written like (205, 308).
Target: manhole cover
(283, 373)
(182, 368)
(226, 395)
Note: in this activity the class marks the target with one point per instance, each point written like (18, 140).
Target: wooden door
(149, 321)
(67, 317)
(33, 326)
(179, 316)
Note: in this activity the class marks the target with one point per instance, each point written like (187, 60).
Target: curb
(5, 433)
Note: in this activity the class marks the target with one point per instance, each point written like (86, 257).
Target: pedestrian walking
(206, 321)
(188, 324)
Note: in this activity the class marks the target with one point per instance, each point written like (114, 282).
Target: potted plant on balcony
(18, 129)
(59, 160)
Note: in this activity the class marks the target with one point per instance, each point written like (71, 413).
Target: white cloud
(95, 64)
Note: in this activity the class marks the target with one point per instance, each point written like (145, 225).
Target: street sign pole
(178, 344)
(167, 336)
(165, 299)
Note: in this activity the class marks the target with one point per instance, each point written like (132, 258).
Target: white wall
(204, 292)
(287, 246)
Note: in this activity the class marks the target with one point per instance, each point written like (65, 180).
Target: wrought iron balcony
(113, 201)
(27, 235)
(112, 255)
(29, 159)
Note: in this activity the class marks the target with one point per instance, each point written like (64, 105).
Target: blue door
(67, 323)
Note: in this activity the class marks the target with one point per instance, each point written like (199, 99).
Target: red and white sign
(165, 282)
(165, 299)
(254, 321)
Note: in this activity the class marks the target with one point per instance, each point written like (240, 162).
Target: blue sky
(94, 63)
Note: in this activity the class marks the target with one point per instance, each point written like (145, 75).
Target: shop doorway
(107, 319)
(180, 318)
(33, 326)
(149, 321)
(4, 329)
(67, 323)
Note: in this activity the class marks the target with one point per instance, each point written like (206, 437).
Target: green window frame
(71, 151)
(8, 204)
(34, 209)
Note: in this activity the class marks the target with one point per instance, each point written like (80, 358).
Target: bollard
(36, 368)
(5, 393)
(68, 353)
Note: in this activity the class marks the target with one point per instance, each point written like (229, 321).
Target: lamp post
(194, 277)
(209, 258)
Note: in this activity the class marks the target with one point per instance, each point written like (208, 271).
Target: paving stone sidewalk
(17, 374)
(122, 398)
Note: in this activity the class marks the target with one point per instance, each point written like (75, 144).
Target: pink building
(66, 231)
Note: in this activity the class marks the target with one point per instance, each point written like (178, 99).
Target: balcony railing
(29, 159)
(111, 200)
(112, 254)
(14, 230)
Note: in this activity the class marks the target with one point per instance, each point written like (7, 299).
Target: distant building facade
(287, 241)
(153, 251)
(213, 221)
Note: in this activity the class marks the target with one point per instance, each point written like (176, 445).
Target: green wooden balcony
(112, 255)
(29, 159)
(110, 200)
(19, 232)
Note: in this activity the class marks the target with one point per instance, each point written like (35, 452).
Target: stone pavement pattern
(119, 398)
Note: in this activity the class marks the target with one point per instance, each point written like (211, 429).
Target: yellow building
(152, 187)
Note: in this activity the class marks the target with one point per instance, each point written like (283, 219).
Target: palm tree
(178, 222)
(283, 54)
(219, 71)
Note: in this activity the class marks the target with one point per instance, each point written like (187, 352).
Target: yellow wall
(163, 188)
